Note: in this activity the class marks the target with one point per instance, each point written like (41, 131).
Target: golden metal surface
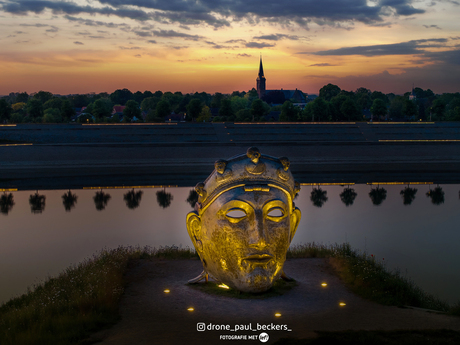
(244, 221)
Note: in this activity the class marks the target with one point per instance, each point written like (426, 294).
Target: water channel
(40, 238)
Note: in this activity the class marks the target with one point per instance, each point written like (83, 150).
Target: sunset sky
(84, 46)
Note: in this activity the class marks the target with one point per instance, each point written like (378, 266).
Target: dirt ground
(151, 316)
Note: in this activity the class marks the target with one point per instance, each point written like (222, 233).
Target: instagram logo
(200, 326)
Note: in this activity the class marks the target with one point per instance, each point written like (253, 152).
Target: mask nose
(257, 232)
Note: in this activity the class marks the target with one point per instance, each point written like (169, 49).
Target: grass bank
(81, 300)
(84, 298)
(368, 277)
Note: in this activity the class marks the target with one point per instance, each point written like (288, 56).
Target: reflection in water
(318, 197)
(192, 198)
(164, 199)
(348, 196)
(377, 195)
(133, 198)
(101, 199)
(436, 195)
(69, 200)
(6, 203)
(408, 195)
(37, 203)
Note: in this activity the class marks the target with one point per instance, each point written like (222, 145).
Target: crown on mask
(252, 171)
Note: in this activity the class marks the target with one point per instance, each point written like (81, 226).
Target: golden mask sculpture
(244, 221)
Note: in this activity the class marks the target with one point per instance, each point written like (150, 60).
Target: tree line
(332, 104)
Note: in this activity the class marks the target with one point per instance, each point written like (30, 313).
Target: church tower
(261, 80)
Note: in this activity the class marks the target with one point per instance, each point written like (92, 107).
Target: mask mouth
(258, 258)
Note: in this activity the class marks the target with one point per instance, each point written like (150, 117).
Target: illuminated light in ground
(396, 183)
(342, 304)
(191, 309)
(7, 125)
(328, 184)
(417, 140)
(277, 314)
(167, 291)
(131, 187)
(223, 286)
(324, 284)
(16, 144)
(8, 190)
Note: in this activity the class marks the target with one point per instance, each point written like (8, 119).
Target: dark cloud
(450, 57)
(138, 55)
(38, 25)
(90, 22)
(258, 45)
(175, 34)
(402, 7)
(244, 55)
(217, 46)
(217, 12)
(22, 7)
(403, 48)
(322, 65)
(129, 48)
(143, 33)
(152, 41)
(432, 26)
(236, 41)
(78, 42)
(53, 29)
(276, 37)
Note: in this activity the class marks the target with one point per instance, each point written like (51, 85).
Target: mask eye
(275, 214)
(235, 215)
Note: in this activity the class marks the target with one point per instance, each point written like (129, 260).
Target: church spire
(261, 68)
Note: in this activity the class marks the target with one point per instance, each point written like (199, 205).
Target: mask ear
(194, 231)
(295, 220)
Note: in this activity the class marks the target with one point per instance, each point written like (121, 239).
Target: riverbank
(86, 298)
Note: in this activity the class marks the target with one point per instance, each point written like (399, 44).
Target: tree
(150, 103)
(239, 103)
(22, 97)
(205, 115)
(216, 99)
(133, 199)
(37, 203)
(289, 112)
(5, 110)
(225, 109)
(54, 102)
(43, 96)
(52, 115)
(329, 91)
(6, 203)
(396, 107)
(101, 199)
(316, 110)
(378, 109)
(438, 108)
(132, 110)
(194, 108)
(348, 196)
(192, 198)
(35, 108)
(318, 197)
(350, 111)
(121, 96)
(257, 109)
(436, 196)
(164, 199)
(409, 109)
(69, 200)
(377, 195)
(243, 115)
(67, 111)
(380, 95)
(162, 110)
(102, 108)
(408, 195)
